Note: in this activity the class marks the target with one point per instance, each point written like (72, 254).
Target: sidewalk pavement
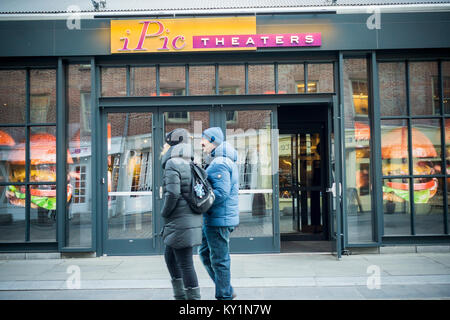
(283, 276)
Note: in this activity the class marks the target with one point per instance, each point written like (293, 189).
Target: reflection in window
(78, 225)
(447, 145)
(392, 84)
(12, 96)
(86, 112)
(261, 79)
(43, 213)
(231, 117)
(250, 135)
(423, 88)
(357, 151)
(322, 75)
(231, 79)
(177, 116)
(114, 82)
(202, 80)
(12, 207)
(312, 86)
(130, 207)
(140, 163)
(40, 104)
(172, 81)
(43, 95)
(446, 85)
(24, 203)
(426, 146)
(394, 147)
(428, 198)
(360, 95)
(290, 76)
(79, 192)
(396, 207)
(143, 81)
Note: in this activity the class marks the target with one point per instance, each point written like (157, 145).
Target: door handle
(332, 189)
(160, 192)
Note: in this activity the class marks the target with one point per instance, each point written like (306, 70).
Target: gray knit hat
(177, 136)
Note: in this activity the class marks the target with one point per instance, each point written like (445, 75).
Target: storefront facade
(338, 123)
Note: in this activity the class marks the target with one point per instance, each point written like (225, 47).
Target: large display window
(413, 143)
(28, 155)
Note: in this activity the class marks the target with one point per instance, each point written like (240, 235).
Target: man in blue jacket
(223, 216)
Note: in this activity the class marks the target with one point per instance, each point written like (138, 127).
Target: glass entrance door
(250, 132)
(303, 205)
(129, 220)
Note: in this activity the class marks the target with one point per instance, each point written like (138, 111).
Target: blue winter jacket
(223, 175)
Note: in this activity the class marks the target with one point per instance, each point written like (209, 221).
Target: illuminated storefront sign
(199, 34)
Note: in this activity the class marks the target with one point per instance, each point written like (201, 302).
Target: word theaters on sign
(257, 40)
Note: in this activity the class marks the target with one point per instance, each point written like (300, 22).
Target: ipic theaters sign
(200, 34)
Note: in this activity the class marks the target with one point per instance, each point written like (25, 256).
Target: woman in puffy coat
(182, 227)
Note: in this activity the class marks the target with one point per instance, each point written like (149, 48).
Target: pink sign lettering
(258, 41)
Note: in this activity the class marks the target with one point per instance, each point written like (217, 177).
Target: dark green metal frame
(137, 103)
(413, 238)
(28, 125)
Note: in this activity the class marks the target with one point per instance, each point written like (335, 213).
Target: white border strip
(339, 9)
(149, 193)
(131, 193)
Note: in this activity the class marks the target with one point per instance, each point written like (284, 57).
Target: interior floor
(305, 246)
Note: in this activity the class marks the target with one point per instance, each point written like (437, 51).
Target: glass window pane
(12, 214)
(394, 147)
(43, 154)
(426, 145)
(357, 151)
(448, 202)
(12, 160)
(396, 207)
(197, 121)
(79, 130)
(261, 79)
(202, 80)
(423, 88)
(429, 206)
(392, 82)
(320, 77)
(143, 81)
(12, 96)
(130, 207)
(446, 85)
(291, 78)
(43, 213)
(251, 137)
(356, 89)
(43, 95)
(114, 82)
(231, 79)
(447, 145)
(172, 81)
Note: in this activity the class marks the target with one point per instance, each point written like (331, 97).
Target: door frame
(319, 127)
(146, 246)
(158, 105)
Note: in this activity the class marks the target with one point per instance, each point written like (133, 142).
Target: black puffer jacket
(182, 227)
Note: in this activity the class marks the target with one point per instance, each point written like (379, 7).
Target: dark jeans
(214, 252)
(181, 265)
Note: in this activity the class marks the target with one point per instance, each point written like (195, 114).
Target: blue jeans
(214, 252)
